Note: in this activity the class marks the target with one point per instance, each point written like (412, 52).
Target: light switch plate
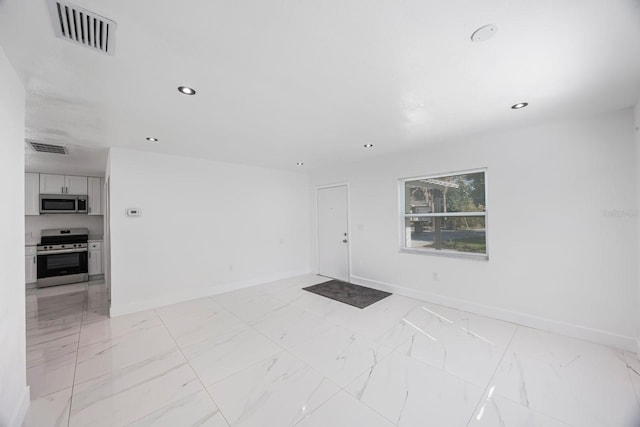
(133, 212)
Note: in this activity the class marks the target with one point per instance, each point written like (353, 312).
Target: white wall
(34, 224)
(206, 227)
(562, 237)
(637, 133)
(14, 393)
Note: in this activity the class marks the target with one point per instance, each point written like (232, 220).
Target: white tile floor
(275, 355)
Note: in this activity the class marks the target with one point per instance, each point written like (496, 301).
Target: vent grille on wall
(47, 148)
(83, 27)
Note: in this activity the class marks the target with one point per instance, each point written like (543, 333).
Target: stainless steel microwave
(62, 204)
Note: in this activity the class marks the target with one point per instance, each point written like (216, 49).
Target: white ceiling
(286, 81)
(83, 161)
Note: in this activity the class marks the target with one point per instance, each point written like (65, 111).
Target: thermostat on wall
(133, 212)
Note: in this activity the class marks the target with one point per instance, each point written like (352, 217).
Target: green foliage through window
(446, 213)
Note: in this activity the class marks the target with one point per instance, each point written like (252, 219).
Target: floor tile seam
(158, 327)
(374, 340)
(186, 347)
(331, 325)
(517, 402)
(325, 316)
(633, 387)
(91, 322)
(324, 377)
(75, 368)
(229, 307)
(303, 307)
(305, 340)
(295, 356)
(49, 393)
(106, 374)
(41, 316)
(193, 370)
(33, 347)
(371, 343)
(546, 360)
(31, 365)
(345, 388)
(340, 389)
(283, 349)
(280, 298)
(61, 327)
(147, 414)
(535, 411)
(63, 323)
(437, 368)
(286, 350)
(495, 371)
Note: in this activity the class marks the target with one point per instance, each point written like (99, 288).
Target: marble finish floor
(275, 355)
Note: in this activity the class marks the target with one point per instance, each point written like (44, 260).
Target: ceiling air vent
(47, 148)
(83, 27)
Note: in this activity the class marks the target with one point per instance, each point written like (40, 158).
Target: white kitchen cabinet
(63, 184)
(30, 265)
(76, 185)
(95, 258)
(95, 196)
(51, 184)
(32, 194)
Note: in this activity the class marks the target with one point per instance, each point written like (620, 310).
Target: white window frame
(442, 252)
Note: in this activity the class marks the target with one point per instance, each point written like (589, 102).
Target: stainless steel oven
(63, 257)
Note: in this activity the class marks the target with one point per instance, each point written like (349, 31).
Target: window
(445, 214)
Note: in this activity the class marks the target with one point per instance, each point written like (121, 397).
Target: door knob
(344, 241)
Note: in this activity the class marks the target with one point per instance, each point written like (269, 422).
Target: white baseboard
(160, 301)
(576, 331)
(22, 408)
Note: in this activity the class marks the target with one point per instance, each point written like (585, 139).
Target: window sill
(445, 254)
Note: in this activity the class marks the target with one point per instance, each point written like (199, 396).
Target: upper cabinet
(51, 184)
(36, 184)
(76, 185)
(95, 196)
(31, 194)
(63, 184)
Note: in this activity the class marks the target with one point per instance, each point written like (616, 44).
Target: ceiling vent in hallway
(83, 27)
(47, 148)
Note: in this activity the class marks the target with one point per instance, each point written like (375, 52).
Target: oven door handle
(64, 251)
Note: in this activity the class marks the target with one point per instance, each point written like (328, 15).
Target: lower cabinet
(30, 265)
(95, 258)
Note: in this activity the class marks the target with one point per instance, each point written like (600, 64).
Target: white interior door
(333, 241)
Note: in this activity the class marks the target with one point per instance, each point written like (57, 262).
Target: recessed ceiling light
(368, 145)
(187, 90)
(300, 164)
(152, 139)
(519, 105)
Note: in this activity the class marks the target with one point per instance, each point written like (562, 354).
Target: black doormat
(348, 293)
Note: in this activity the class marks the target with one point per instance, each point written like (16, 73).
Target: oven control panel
(62, 247)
